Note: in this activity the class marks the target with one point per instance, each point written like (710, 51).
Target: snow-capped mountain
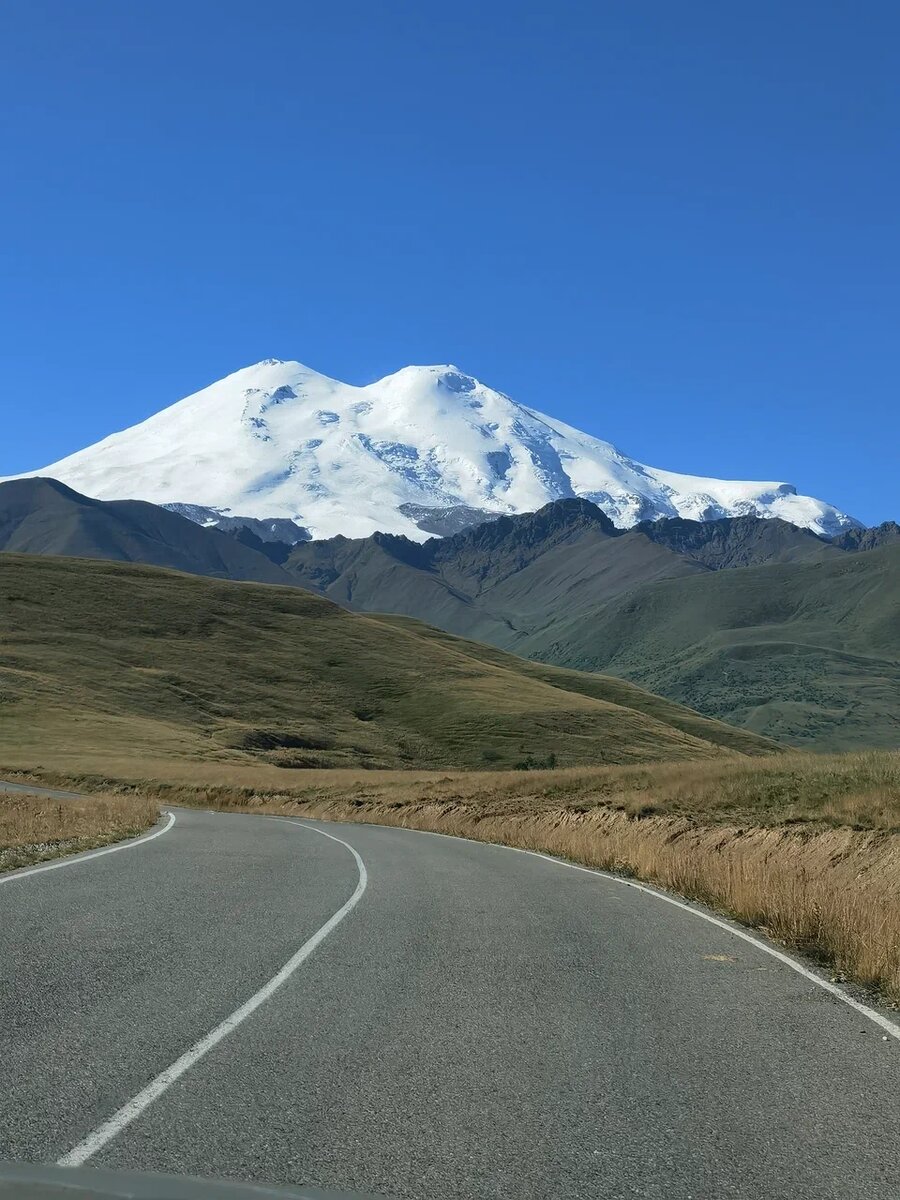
(278, 440)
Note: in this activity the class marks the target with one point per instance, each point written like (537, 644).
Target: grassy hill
(807, 653)
(101, 660)
(605, 688)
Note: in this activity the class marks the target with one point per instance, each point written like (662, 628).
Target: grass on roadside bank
(858, 791)
(34, 828)
(805, 847)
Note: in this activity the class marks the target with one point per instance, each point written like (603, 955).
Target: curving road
(472, 1022)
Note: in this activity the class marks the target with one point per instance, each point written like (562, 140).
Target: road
(31, 789)
(480, 1023)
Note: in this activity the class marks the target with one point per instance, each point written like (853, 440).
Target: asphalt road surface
(32, 789)
(472, 1022)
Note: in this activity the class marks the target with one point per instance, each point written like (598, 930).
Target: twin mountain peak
(426, 450)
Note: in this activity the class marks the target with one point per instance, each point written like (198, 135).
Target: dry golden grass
(33, 828)
(805, 847)
(859, 791)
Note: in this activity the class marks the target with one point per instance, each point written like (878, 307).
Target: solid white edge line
(104, 1133)
(72, 860)
(890, 1027)
(883, 1022)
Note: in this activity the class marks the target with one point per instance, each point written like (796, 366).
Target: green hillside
(101, 659)
(805, 653)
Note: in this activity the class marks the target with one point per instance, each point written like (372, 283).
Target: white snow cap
(280, 440)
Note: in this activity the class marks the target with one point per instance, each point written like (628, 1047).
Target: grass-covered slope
(606, 688)
(106, 659)
(807, 653)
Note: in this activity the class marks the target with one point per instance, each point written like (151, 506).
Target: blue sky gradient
(672, 225)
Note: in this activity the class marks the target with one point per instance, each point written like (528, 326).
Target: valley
(750, 621)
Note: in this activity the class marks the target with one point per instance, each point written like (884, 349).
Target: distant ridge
(885, 534)
(43, 516)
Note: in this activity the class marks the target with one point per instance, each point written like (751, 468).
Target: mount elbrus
(425, 450)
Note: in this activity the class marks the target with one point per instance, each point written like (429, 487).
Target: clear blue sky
(675, 225)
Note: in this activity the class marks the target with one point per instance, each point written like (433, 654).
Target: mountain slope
(740, 541)
(506, 580)
(43, 516)
(278, 440)
(275, 529)
(806, 653)
(600, 687)
(496, 582)
(106, 660)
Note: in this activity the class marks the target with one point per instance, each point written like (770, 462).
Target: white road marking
(137, 1104)
(74, 859)
(890, 1027)
(883, 1022)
